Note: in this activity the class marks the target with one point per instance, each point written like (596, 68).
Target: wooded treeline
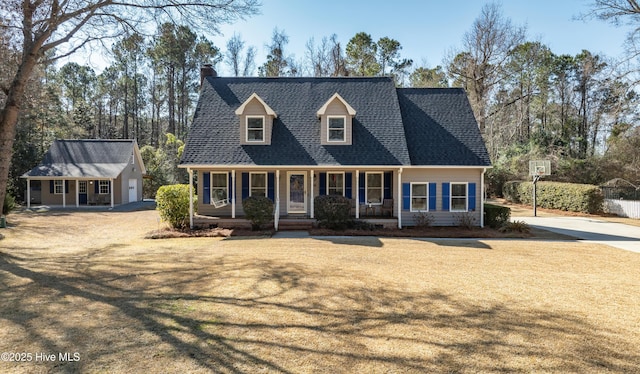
(531, 103)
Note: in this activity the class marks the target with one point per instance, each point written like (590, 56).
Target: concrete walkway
(591, 230)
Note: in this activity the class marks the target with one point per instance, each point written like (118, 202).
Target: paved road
(592, 230)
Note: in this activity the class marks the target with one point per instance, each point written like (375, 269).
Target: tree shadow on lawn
(233, 315)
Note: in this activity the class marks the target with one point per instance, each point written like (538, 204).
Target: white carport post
(77, 194)
(111, 189)
(357, 194)
(233, 195)
(276, 217)
(311, 195)
(29, 193)
(483, 197)
(64, 193)
(190, 198)
(399, 198)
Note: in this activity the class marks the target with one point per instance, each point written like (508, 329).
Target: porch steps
(295, 224)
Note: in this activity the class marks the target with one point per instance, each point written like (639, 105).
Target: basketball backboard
(539, 167)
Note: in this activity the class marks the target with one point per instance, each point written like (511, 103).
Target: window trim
(466, 197)
(211, 186)
(366, 187)
(103, 183)
(266, 182)
(58, 187)
(343, 181)
(426, 197)
(246, 127)
(344, 129)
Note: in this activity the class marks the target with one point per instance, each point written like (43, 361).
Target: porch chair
(387, 206)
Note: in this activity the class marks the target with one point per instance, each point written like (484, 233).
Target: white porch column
(276, 211)
(482, 197)
(233, 195)
(77, 194)
(29, 193)
(190, 197)
(357, 187)
(311, 195)
(111, 189)
(64, 193)
(400, 198)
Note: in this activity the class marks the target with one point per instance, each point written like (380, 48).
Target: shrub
(495, 179)
(258, 209)
(9, 203)
(465, 220)
(515, 226)
(332, 211)
(496, 216)
(510, 191)
(423, 219)
(172, 202)
(573, 197)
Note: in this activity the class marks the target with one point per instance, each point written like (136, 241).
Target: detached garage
(87, 172)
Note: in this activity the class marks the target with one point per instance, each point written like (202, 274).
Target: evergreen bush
(496, 216)
(332, 211)
(9, 203)
(258, 209)
(172, 202)
(572, 197)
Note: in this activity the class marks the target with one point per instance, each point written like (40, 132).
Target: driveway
(593, 230)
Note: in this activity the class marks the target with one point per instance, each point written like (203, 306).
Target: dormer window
(336, 121)
(336, 131)
(255, 128)
(256, 121)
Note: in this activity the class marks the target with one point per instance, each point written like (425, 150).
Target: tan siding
(255, 108)
(336, 108)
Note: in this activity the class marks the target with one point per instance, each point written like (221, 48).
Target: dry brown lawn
(89, 283)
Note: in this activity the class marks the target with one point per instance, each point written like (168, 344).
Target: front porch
(284, 223)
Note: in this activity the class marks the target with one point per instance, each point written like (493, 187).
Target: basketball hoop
(538, 169)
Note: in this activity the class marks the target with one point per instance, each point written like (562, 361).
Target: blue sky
(426, 29)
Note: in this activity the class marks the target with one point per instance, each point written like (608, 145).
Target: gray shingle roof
(392, 126)
(378, 133)
(84, 159)
(441, 128)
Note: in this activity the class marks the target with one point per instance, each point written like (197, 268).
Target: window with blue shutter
(231, 187)
(323, 183)
(348, 185)
(445, 197)
(432, 196)
(245, 185)
(51, 187)
(472, 197)
(388, 182)
(66, 186)
(270, 186)
(206, 188)
(96, 188)
(361, 188)
(406, 196)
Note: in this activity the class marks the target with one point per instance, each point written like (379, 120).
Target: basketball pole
(535, 203)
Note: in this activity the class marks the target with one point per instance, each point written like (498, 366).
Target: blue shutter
(96, 188)
(230, 186)
(245, 185)
(51, 188)
(66, 187)
(388, 181)
(472, 197)
(323, 183)
(348, 185)
(361, 188)
(109, 187)
(406, 196)
(445, 196)
(206, 188)
(270, 186)
(432, 196)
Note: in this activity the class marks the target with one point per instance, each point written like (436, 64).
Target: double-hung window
(219, 188)
(336, 129)
(419, 197)
(255, 128)
(459, 197)
(103, 187)
(335, 184)
(258, 184)
(374, 188)
(58, 187)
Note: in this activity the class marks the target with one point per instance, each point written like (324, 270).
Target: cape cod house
(87, 172)
(395, 152)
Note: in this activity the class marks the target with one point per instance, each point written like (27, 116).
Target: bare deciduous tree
(57, 29)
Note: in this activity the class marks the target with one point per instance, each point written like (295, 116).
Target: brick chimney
(207, 70)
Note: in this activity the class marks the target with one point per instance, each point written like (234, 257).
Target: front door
(82, 192)
(297, 201)
(133, 190)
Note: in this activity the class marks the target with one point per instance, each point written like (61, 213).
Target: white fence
(623, 208)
